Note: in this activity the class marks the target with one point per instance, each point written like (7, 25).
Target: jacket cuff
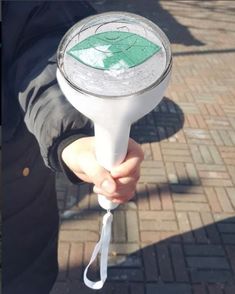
(56, 162)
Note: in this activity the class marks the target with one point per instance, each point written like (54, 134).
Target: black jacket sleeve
(47, 113)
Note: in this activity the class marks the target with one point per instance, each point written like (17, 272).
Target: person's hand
(117, 185)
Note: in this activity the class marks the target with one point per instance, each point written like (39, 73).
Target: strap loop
(103, 247)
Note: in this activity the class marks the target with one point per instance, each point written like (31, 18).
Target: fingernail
(108, 186)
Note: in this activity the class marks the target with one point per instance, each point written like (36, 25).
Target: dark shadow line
(203, 257)
(204, 52)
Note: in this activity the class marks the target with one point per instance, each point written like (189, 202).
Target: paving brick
(232, 136)
(142, 197)
(154, 197)
(216, 182)
(164, 262)
(166, 198)
(78, 236)
(181, 172)
(216, 137)
(152, 172)
(231, 170)
(88, 249)
(215, 155)
(150, 263)
(200, 121)
(157, 215)
(75, 224)
(119, 226)
(231, 256)
(213, 199)
(124, 261)
(215, 289)
(132, 226)
(63, 259)
(231, 195)
(192, 122)
(93, 201)
(226, 227)
(206, 155)
(137, 288)
(204, 250)
(197, 134)
(230, 290)
(228, 238)
(147, 151)
(223, 199)
(124, 248)
(211, 276)
(178, 262)
(178, 146)
(72, 196)
(154, 237)
(75, 261)
(199, 289)
(152, 164)
(192, 174)
(177, 158)
(171, 173)
(225, 137)
(83, 192)
(156, 151)
(218, 123)
(210, 167)
(152, 178)
(187, 189)
(213, 175)
(188, 206)
(175, 151)
(60, 288)
(184, 226)
(208, 263)
(118, 288)
(189, 197)
(125, 274)
(197, 227)
(224, 217)
(149, 225)
(210, 227)
(168, 289)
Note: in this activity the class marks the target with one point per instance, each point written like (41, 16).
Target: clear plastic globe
(120, 54)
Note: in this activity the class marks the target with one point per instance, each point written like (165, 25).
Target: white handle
(111, 143)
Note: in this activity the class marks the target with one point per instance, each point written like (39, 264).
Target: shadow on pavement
(153, 10)
(195, 262)
(161, 123)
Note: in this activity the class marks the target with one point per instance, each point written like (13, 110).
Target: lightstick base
(105, 203)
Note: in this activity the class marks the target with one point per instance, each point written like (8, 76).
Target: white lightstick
(114, 68)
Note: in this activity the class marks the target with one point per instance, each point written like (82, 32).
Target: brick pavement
(177, 236)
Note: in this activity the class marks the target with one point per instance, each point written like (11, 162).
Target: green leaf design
(113, 50)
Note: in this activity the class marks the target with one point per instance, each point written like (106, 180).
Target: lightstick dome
(114, 54)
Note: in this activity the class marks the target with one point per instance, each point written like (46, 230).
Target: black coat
(37, 124)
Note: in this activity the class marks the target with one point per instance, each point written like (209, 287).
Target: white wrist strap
(103, 247)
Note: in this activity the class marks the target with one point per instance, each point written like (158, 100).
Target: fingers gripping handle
(111, 143)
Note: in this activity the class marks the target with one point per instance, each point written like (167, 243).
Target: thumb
(98, 175)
